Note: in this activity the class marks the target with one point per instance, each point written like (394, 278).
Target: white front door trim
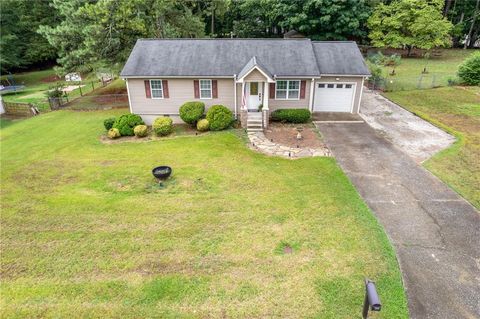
(254, 101)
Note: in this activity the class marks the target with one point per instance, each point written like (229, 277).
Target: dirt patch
(113, 91)
(51, 78)
(286, 134)
(111, 99)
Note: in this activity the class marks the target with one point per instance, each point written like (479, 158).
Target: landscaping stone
(260, 143)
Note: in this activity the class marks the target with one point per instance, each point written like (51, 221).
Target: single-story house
(252, 77)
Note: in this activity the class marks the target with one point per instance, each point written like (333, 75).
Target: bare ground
(286, 134)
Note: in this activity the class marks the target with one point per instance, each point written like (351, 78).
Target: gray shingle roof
(251, 64)
(228, 57)
(339, 57)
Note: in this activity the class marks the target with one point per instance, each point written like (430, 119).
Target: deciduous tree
(410, 24)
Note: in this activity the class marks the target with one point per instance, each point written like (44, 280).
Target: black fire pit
(162, 172)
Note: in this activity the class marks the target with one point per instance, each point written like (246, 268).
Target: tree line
(82, 35)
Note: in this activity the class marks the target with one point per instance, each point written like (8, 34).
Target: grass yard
(440, 69)
(37, 83)
(456, 110)
(86, 231)
(114, 95)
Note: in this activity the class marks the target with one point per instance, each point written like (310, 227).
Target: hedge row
(291, 115)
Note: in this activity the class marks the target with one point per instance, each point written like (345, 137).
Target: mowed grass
(408, 75)
(87, 232)
(456, 110)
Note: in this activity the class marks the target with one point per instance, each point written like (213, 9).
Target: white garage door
(333, 97)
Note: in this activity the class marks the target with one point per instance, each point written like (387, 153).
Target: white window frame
(156, 89)
(200, 89)
(287, 90)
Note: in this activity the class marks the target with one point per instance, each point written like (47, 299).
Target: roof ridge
(229, 39)
(332, 41)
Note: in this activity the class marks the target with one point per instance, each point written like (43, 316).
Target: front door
(254, 96)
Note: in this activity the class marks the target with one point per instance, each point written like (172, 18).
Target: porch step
(254, 122)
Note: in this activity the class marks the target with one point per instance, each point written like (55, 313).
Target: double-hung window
(205, 89)
(287, 90)
(157, 89)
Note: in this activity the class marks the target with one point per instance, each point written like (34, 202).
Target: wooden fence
(20, 109)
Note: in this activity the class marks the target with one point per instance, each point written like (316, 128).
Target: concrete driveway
(414, 136)
(435, 232)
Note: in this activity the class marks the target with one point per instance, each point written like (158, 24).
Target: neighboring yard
(37, 83)
(86, 232)
(409, 73)
(457, 110)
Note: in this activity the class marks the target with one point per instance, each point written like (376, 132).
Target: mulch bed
(286, 134)
(178, 130)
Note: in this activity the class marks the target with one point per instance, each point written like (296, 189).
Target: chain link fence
(418, 82)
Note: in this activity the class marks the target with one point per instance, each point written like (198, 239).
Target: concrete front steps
(254, 122)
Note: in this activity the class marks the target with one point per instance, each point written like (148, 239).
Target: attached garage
(334, 97)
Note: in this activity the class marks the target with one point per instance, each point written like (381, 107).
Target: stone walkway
(260, 143)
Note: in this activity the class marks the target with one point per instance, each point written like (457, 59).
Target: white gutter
(235, 95)
(128, 93)
(177, 77)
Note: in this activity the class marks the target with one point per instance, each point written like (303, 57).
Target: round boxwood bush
(469, 70)
(291, 115)
(108, 123)
(113, 133)
(140, 131)
(126, 123)
(219, 117)
(191, 112)
(163, 126)
(203, 125)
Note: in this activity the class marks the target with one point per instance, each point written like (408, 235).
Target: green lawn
(114, 95)
(457, 110)
(36, 87)
(409, 73)
(86, 231)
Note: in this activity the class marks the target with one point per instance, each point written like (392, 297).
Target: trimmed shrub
(113, 133)
(140, 131)
(108, 123)
(126, 123)
(191, 112)
(203, 125)
(162, 126)
(219, 117)
(291, 115)
(469, 70)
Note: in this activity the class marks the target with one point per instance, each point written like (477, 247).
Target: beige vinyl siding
(344, 79)
(255, 76)
(180, 91)
(292, 104)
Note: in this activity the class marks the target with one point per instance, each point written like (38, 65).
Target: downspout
(235, 95)
(128, 94)
(312, 88)
(360, 98)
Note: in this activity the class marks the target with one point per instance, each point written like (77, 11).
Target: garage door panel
(333, 97)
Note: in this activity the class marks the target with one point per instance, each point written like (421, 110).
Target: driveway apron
(435, 232)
